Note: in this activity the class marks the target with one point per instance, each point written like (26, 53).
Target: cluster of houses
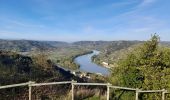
(105, 64)
(81, 74)
(84, 74)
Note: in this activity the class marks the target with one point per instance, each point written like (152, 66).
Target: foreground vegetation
(146, 67)
(16, 68)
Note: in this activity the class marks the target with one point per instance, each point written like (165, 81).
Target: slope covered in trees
(118, 49)
(29, 45)
(146, 67)
(16, 68)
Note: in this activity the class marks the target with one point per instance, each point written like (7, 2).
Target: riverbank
(65, 56)
(100, 63)
(85, 53)
(86, 65)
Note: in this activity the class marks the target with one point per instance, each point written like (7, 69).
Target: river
(86, 65)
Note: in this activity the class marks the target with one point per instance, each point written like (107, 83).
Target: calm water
(87, 65)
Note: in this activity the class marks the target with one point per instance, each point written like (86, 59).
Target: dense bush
(146, 67)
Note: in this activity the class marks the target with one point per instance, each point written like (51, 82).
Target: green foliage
(146, 67)
(15, 68)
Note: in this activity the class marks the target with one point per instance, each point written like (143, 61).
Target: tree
(146, 67)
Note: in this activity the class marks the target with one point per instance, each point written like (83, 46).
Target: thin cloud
(19, 23)
(120, 4)
(6, 33)
(15, 23)
(146, 3)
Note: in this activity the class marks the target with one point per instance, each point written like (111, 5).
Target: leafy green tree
(146, 67)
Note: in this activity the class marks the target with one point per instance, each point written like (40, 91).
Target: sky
(76, 20)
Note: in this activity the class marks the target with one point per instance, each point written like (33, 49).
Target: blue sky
(74, 20)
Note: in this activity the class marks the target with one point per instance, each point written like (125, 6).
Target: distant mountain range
(30, 45)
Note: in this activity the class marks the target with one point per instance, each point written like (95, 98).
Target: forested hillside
(29, 45)
(118, 49)
(16, 68)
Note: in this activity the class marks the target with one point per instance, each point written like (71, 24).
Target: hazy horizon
(78, 20)
(75, 41)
